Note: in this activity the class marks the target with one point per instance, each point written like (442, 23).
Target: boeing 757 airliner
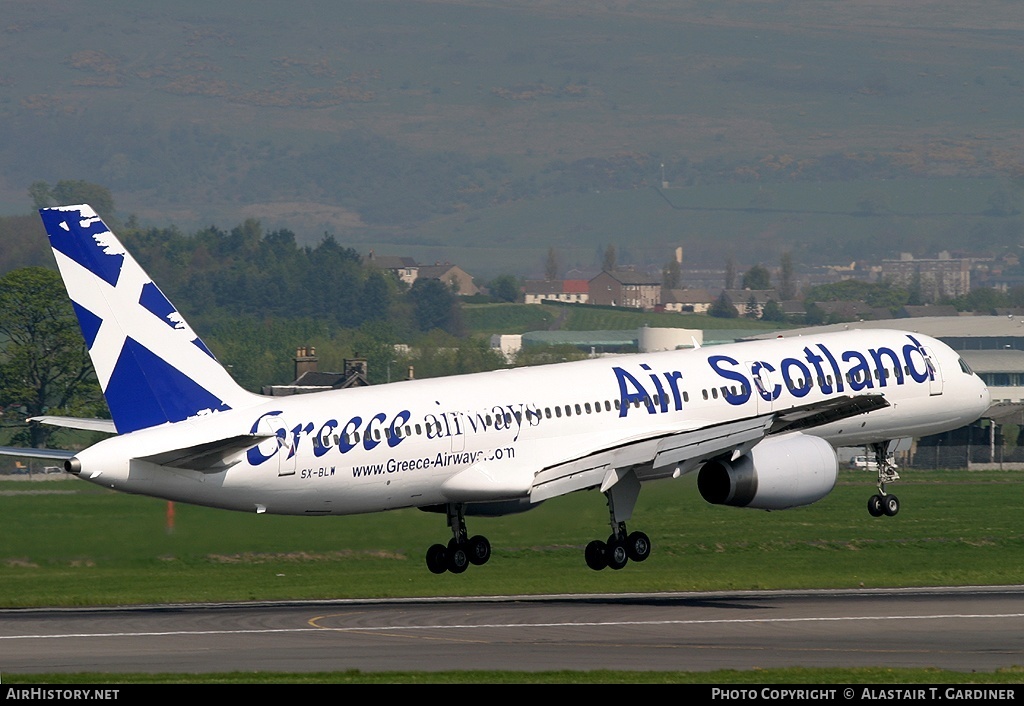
(758, 421)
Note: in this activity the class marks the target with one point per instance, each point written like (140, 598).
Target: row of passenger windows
(801, 384)
(579, 409)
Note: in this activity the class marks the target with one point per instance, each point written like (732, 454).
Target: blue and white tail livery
(151, 365)
(757, 421)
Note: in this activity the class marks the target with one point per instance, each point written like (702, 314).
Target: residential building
(625, 288)
(452, 275)
(309, 379)
(942, 277)
(407, 270)
(744, 299)
(570, 291)
(404, 268)
(688, 301)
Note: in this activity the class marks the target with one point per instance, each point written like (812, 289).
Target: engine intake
(779, 473)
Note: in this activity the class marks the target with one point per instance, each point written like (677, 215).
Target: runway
(965, 629)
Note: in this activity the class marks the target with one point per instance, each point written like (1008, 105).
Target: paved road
(963, 629)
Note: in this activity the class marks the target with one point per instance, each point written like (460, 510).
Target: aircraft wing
(681, 452)
(687, 450)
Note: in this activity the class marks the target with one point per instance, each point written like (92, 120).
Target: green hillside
(486, 133)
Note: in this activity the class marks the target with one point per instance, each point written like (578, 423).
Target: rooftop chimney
(305, 361)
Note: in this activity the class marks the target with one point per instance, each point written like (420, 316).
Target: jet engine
(779, 473)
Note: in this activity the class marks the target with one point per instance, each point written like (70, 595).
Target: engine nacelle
(780, 473)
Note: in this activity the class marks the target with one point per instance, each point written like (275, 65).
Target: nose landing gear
(883, 503)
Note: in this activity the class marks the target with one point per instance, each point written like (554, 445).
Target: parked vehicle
(868, 462)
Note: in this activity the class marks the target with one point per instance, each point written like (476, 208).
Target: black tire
(458, 557)
(596, 555)
(875, 506)
(618, 557)
(479, 550)
(437, 561)
(891, 505)
(638, 546)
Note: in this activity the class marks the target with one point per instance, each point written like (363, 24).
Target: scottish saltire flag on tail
(151, 365)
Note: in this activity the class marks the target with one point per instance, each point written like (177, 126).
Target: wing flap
(826, 412)
(687, 451)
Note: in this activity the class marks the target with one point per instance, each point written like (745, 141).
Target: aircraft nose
(979, 391)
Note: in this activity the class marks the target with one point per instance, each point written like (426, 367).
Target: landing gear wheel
(437, 561)
(618, 557)
(596, 555)
(479, 550)
(891, 505)
(638, 546)
(458, 559)
(876, 506)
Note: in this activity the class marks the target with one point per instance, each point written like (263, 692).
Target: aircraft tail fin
(151, 365)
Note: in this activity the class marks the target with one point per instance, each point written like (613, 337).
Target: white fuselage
(393, 446)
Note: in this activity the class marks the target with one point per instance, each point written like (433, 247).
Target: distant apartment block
(937, 278)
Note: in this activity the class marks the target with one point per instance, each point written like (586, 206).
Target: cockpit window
(965, 367)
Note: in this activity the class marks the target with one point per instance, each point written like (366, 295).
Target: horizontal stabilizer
(104, 425)
(211, 457)
(55, 454)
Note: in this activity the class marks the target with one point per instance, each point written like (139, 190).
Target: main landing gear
(462, 550)
(618, 550)
(621, 545)
(883, 503)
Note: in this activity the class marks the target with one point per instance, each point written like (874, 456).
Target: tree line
(253, 295)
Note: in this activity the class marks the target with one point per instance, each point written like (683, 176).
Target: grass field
(78, 545)
(72, 544)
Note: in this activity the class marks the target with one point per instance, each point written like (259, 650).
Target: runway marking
(315, 622)
(477, 626)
